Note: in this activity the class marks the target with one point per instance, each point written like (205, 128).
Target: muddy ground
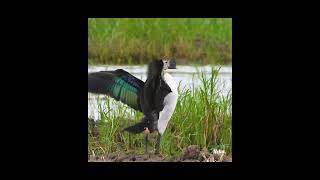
(190, 154)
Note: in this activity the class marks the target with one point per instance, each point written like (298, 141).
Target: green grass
(138, 40)
(202, 117)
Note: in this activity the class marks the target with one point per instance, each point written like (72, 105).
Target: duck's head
(159, 66)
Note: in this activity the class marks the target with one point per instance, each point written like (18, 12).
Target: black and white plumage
(156, 98)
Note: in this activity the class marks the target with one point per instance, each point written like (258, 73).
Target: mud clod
(191, 152)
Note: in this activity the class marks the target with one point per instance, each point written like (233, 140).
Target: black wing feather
(118, 84)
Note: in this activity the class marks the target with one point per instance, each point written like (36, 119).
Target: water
(185, 75)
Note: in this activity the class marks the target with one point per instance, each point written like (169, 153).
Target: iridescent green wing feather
(119, 85)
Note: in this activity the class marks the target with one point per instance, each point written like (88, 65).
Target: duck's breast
(170, 102)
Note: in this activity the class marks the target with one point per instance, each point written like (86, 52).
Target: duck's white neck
(171, 82)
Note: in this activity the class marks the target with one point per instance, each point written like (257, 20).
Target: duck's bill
(172, 64)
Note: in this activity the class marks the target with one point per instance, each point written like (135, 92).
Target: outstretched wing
(118, 84)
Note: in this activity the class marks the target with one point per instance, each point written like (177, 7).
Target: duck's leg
(146, 132)
(146, 144)
(158, 144)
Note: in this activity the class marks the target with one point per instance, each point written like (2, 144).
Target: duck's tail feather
(137, 128)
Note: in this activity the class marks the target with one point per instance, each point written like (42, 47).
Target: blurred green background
(138, 40)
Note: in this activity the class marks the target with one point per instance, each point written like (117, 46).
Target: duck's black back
(151, 98)
(154, 92)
